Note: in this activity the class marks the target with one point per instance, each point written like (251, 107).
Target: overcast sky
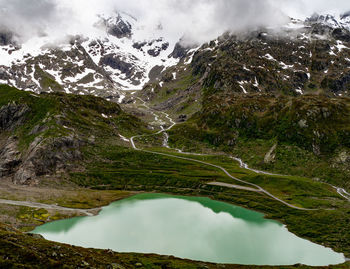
(199, 20)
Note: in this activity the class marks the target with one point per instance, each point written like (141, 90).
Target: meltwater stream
(189, 227)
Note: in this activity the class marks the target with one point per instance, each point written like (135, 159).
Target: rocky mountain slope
(47, 134)
(281, 91)
(216, 82)
(311, 56)
(119, 55)
(277, 98)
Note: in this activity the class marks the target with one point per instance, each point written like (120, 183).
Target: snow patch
(269, 57)
(285, 66)
(124, 138)
(121, 98)
(298, 90)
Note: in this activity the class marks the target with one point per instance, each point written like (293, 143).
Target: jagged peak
(330, 20)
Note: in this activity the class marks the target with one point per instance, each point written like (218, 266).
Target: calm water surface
(193, 228)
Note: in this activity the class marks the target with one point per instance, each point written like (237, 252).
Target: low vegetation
(109, 164)
(304, 136)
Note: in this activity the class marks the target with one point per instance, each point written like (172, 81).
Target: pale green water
(193, 228)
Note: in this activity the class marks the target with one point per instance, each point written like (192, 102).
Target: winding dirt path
(254, 187)
(87, 212)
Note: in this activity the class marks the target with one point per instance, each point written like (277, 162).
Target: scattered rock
(84, 263)
(92, 139)
(271, 155)
(343, 158)
(182, 118)
(36, 236)
(115, 266)
(316, 149)
(303, 124)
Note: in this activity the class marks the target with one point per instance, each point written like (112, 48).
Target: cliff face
(46, 134)
(43, 155)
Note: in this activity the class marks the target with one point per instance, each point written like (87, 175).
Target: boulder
(270, 155)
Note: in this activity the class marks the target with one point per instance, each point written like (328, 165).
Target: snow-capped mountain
(333, 21)
(309, 56)
(122, 54)
(119, 56)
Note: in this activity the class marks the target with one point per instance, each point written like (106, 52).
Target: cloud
(27, 18)
(196, 20)
(203, 20)
(304, 8)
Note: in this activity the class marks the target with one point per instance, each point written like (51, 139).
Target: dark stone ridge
(139, 45)
(12, 115)
(182, 118)
(154, 52)
(179, 51)
(337, 85)
(341, 34)
(115, 62)
(121, 29)
(9, 157)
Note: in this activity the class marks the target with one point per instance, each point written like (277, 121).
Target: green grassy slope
(311, 133)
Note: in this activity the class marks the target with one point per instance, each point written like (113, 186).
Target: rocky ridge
(45, 134)
(119, 56)
(311, 56)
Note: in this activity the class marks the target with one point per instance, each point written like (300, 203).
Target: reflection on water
(189, 227)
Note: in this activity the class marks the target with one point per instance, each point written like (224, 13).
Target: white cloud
(199, 20)
(304, 8)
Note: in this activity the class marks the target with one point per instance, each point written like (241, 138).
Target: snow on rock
(121, 98)
(121, 50)
(285, 66)
(269, 57)
(124, 138)
(241, 83)
(298, 90)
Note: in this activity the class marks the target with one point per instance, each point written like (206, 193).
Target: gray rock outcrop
(12, 115)
(9, 157)
(48, 157)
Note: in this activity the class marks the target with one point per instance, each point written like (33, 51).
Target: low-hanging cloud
(27, 18)
(195, 20)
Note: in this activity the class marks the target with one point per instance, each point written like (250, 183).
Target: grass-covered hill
(310, 60)
(48, 133)
(278, 101)
(78, 137)
(307, 135)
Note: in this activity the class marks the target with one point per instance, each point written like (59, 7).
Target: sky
(197, 20)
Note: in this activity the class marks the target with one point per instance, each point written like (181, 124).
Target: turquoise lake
(189, 227)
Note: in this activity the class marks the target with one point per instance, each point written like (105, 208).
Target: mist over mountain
(246, 102)
(197, 21)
